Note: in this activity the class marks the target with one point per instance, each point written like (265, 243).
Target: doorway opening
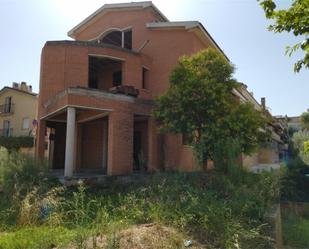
(140, 143)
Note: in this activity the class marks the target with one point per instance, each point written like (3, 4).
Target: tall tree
(294, 19)
(200, 103)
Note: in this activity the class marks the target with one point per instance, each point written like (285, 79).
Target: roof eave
(188, 25)
(160, 25)
(106, 7)
(18, 90)
(212, 40)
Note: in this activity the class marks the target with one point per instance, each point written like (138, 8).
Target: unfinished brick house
(97, 91)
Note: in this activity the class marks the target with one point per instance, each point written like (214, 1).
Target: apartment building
(18, 109)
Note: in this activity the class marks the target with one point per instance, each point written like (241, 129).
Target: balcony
(6, 109)
(6, 132)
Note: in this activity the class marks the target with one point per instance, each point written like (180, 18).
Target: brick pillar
(154, 148)
(120, 143)
(40, 140)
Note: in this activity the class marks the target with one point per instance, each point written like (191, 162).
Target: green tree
(300, 141)
(305, 120)
(305, 124)
(200, 103)
(294, 19)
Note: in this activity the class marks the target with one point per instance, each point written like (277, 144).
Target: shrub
(294, 183)
(37, 208)
(204, 210)
(218, 210)
(79, 210)
(15, 143)
(21, 173)
(3, 156)
(25, 183)
(295, 231)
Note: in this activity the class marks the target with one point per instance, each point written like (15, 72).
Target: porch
(83, 143)
(93, 178)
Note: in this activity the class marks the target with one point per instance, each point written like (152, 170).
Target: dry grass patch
(147, 236)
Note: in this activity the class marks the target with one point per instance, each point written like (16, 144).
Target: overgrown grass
(213, 209)
(36, 237)
(296, 231)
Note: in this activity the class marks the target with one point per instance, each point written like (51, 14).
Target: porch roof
(87, 98)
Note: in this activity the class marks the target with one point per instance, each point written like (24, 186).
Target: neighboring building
(97, 91)
(275, 150)
(18, 109)
(294, 123)
(282, 130)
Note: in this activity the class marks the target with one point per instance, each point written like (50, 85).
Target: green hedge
(15, 143)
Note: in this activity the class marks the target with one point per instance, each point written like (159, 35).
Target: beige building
(272, 153)
(18, 110)
(294, 123)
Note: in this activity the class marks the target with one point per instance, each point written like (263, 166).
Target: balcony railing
(7, 109)
(6, 132)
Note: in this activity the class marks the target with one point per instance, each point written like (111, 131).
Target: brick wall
(65, 65)
(120, 143)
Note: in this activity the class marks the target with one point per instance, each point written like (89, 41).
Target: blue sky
(238, 26)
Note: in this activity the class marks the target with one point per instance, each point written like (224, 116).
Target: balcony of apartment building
(7, 109)
(6, 132)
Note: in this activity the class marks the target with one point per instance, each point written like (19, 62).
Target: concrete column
(122, 39)
(70, 142)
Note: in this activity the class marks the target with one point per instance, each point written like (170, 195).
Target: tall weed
(217, 209)
(294, 183)
(21, 173)
(79, 210)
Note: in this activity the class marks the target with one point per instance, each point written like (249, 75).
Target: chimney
(23, 86)
(30, 89)
(15, 85)
(243, 85)
(263, 103)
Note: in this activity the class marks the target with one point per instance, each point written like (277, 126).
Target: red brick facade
(66, 71)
